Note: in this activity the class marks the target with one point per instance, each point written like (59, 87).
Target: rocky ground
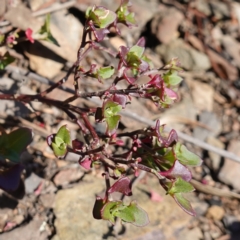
(55, 198)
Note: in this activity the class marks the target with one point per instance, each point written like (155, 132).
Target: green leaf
(111, 109)
(112, 123)
(125, 213)
(130, 18)
(5, 60)
(133, 60)
(119, 170)
(59, 151)
(61, 140)
(106, 72)
(46, 33)
(184, 204)
(64, 134)
(172, 78)
(58, 141)
(107, 211)
(137, 50)
(13, 144)
(132, 214)
(180, 186)
(185, 156)
(101, 16)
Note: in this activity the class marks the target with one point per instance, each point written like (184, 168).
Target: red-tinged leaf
(99, 115)
(156, 82)
(77, 145)
(99, 34)
(122, 185)
(99, 203)
(86, 163)
(166, 142)
(184, 204)
(170, 93)
(10, 179)
(141, 42)
(144, 66)
(123, 53)
(130, 79)
(178, 170)
(120, 99)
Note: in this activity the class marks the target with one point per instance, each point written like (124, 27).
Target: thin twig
(214, 191)
(54, 8)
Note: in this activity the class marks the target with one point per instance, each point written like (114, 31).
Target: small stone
(216, 158)
(66, 176)
(165, 24)
(230, 172)
(32, 182)
(215, 212)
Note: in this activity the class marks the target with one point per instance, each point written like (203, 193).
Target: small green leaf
(101, 16)
(137, 50)
(107, 211)
(125, 213)
(180, 186)
(172, 78)
(132, 214)
(185, 156)
(58, 141)
(112, 123)
(105, 72)
(59, 151)
(133, 60)
(118, 171)
(5, 60)
(111, 109)
(130, 18)
(46, 33)
(63, 133)
(61, 140)
(184, 204)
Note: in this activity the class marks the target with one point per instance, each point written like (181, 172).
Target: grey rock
(211, 120)
(32, 182)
